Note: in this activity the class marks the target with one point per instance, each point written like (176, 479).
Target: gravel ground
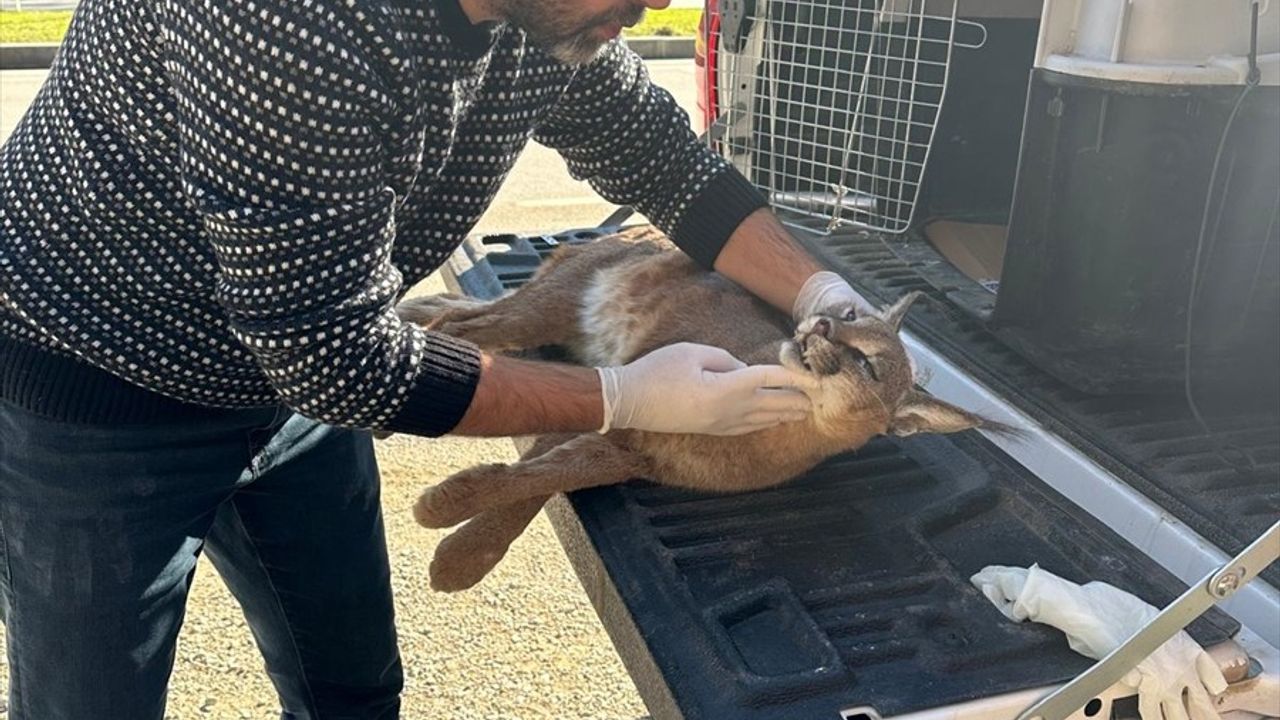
(524, 644)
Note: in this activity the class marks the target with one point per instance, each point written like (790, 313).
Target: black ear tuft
(1005, 431)
(920, 412)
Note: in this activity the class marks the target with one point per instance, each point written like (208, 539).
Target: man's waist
(51, 382)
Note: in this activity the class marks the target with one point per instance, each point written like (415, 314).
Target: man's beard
(550, 24)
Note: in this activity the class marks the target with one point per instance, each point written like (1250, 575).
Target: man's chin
(577, 51)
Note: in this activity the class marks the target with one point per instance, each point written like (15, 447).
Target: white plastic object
(1175, 682)
(1172, 42)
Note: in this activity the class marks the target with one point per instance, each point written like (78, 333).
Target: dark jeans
(100, 528)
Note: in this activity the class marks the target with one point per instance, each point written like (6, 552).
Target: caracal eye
(868, 367)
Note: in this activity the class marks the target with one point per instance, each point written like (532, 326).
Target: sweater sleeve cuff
(714, 214)
(443, 389)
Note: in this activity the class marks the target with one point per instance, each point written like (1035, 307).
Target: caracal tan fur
(611, 302)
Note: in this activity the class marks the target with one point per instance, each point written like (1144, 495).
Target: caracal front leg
(508, 324)
(426, 310)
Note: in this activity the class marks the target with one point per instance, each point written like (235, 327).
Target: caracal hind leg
(585, 461)
(467, 555)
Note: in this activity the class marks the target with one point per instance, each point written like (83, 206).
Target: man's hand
(689, 388)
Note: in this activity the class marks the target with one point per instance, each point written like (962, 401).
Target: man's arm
(762, 257)
(633, 143)
(283, 163)
(516, 397)
(681, 388)
(765, 259)
(301, 226)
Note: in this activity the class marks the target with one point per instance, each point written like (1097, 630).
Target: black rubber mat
(1225, 487)
(845, 588)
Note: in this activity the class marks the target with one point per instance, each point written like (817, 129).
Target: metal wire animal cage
(830, 106)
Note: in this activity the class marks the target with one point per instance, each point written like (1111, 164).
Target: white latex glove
(1097, 618)
(690, 388)
(827, 292)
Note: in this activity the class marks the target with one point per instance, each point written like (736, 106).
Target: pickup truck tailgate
(845, 588)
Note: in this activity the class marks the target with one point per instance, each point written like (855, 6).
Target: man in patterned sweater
(209, 213)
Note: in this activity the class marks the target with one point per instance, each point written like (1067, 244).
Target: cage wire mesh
(830, 105)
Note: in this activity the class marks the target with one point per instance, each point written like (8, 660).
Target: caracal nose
(822, 326)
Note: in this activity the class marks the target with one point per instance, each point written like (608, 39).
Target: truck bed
(845, 588)
(1151, 442)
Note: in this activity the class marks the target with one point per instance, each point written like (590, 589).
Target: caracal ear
(919, 412)
(896, 312)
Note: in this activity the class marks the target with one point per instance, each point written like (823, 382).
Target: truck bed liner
(847, 587)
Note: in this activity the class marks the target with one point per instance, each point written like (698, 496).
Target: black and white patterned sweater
(221, 200)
